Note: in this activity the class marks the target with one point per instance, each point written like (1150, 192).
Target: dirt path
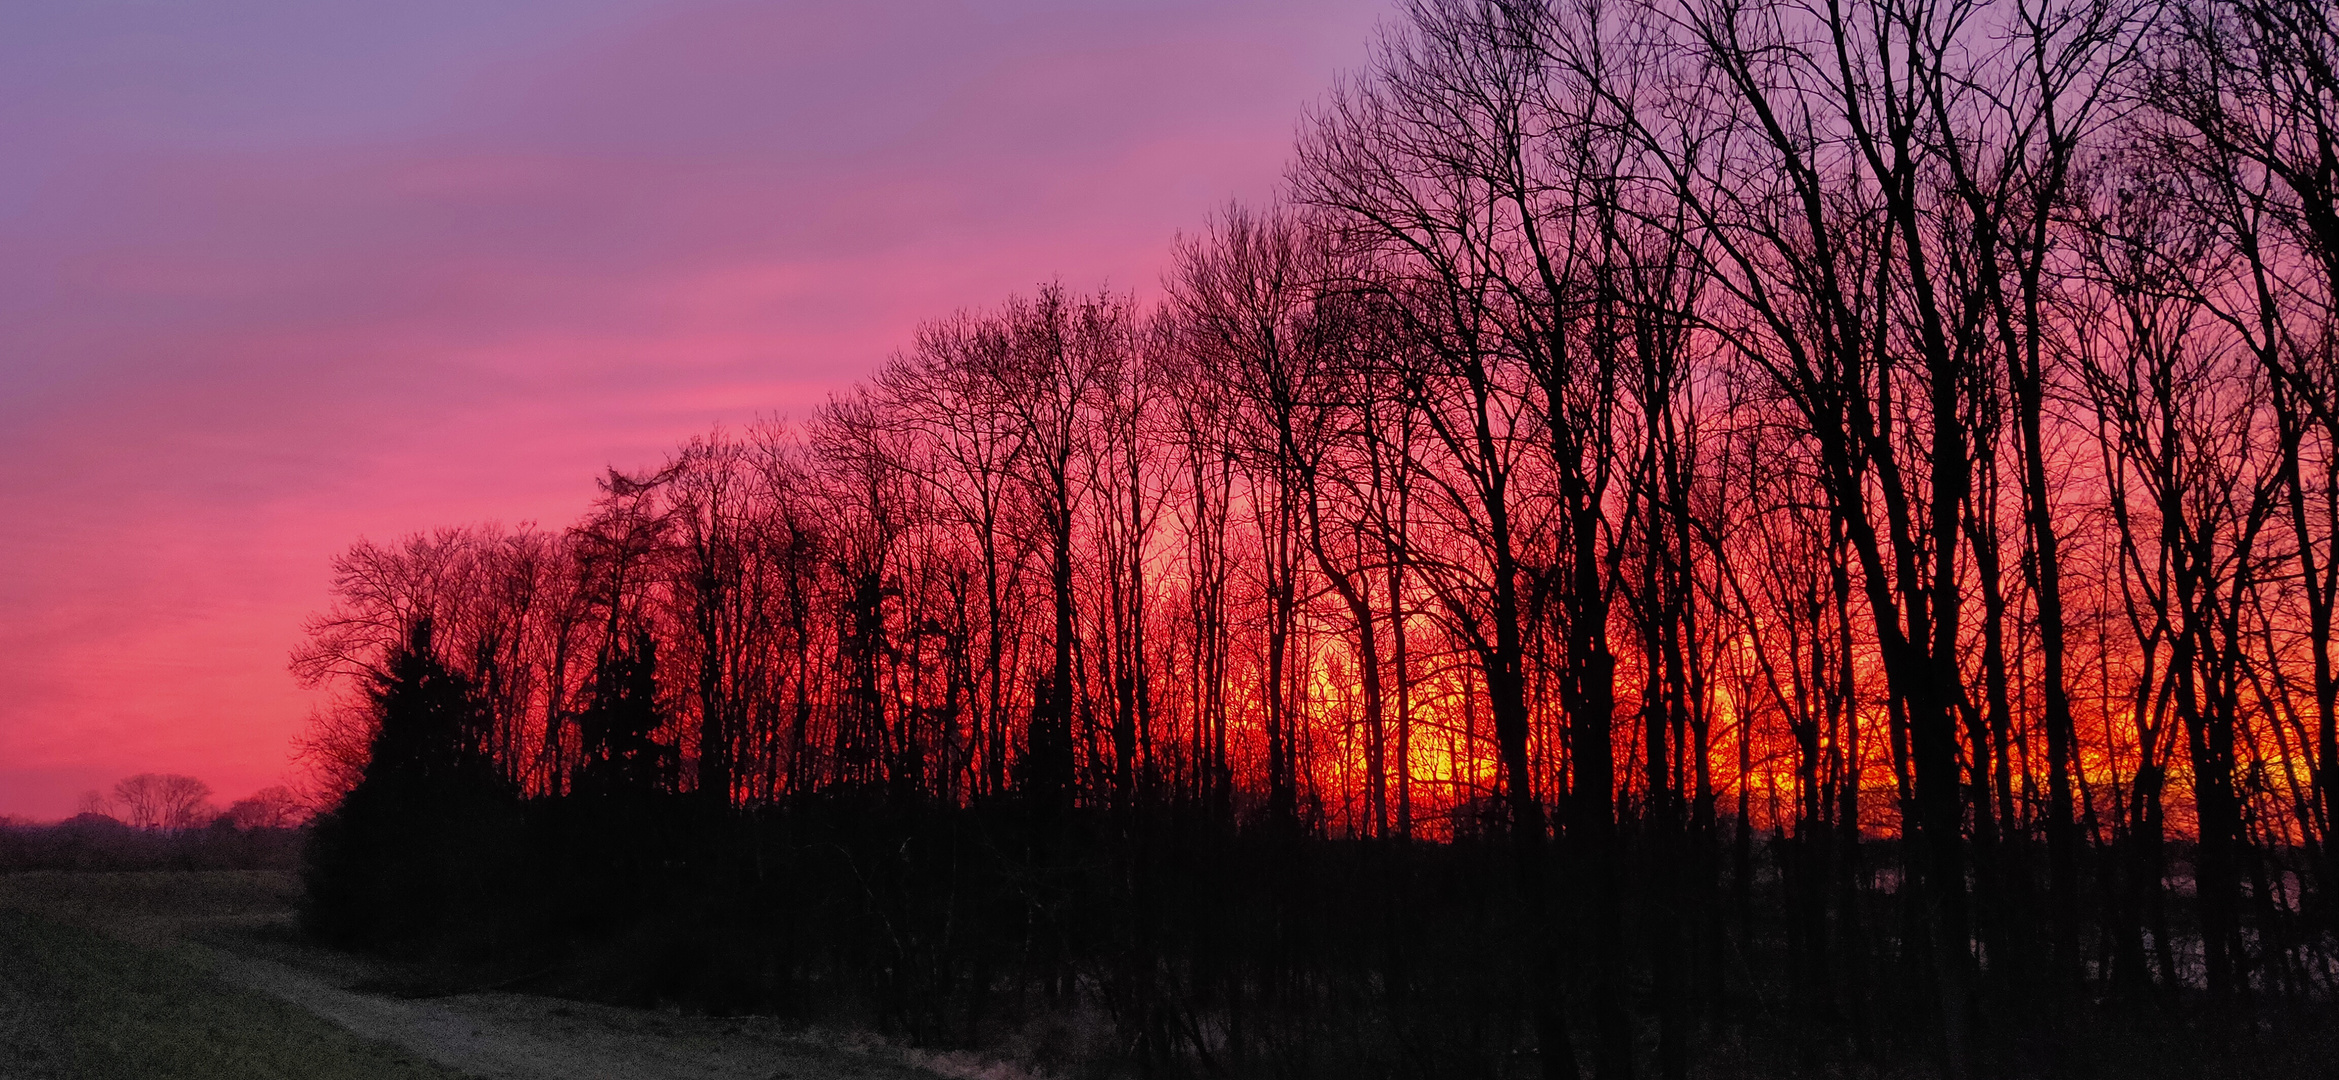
(231, 925)
(500, 1036)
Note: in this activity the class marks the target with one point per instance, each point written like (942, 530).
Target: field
(96, 985)
(179, 974)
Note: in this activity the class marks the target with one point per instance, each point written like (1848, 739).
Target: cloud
(275, 275)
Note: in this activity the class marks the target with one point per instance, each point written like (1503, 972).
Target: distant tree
(268, 808)
(166, 801)
(88, 822)
(135, 798)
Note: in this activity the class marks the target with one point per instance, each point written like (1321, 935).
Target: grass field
(93, 985)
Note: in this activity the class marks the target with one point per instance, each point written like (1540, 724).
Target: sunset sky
(279, 274)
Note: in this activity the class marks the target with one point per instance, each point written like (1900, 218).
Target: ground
(76, 1002)
(184, 974)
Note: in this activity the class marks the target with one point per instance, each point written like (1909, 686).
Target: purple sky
(277, 274)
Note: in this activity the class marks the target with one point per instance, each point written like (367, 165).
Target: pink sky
(278, 274)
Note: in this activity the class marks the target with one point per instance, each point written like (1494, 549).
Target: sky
(279, 274)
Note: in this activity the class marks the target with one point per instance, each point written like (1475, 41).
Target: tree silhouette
(399, 856)
(620, 724)
(1806, 536)
(165, 801)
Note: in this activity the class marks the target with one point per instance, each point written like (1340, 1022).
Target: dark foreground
(195, 974)
(76, 1001)
(202, 974)
(1158, 946)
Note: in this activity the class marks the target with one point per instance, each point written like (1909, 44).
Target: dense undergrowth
(96, 842)
(1151, 944)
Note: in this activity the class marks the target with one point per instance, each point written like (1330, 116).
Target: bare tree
(165, 801)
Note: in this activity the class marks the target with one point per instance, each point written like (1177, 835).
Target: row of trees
(170, 802)
(1853, 484)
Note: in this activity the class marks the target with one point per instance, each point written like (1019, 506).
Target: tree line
(1829, 510)
(175, 803)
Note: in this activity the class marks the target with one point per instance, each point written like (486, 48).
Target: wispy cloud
(276, 274)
